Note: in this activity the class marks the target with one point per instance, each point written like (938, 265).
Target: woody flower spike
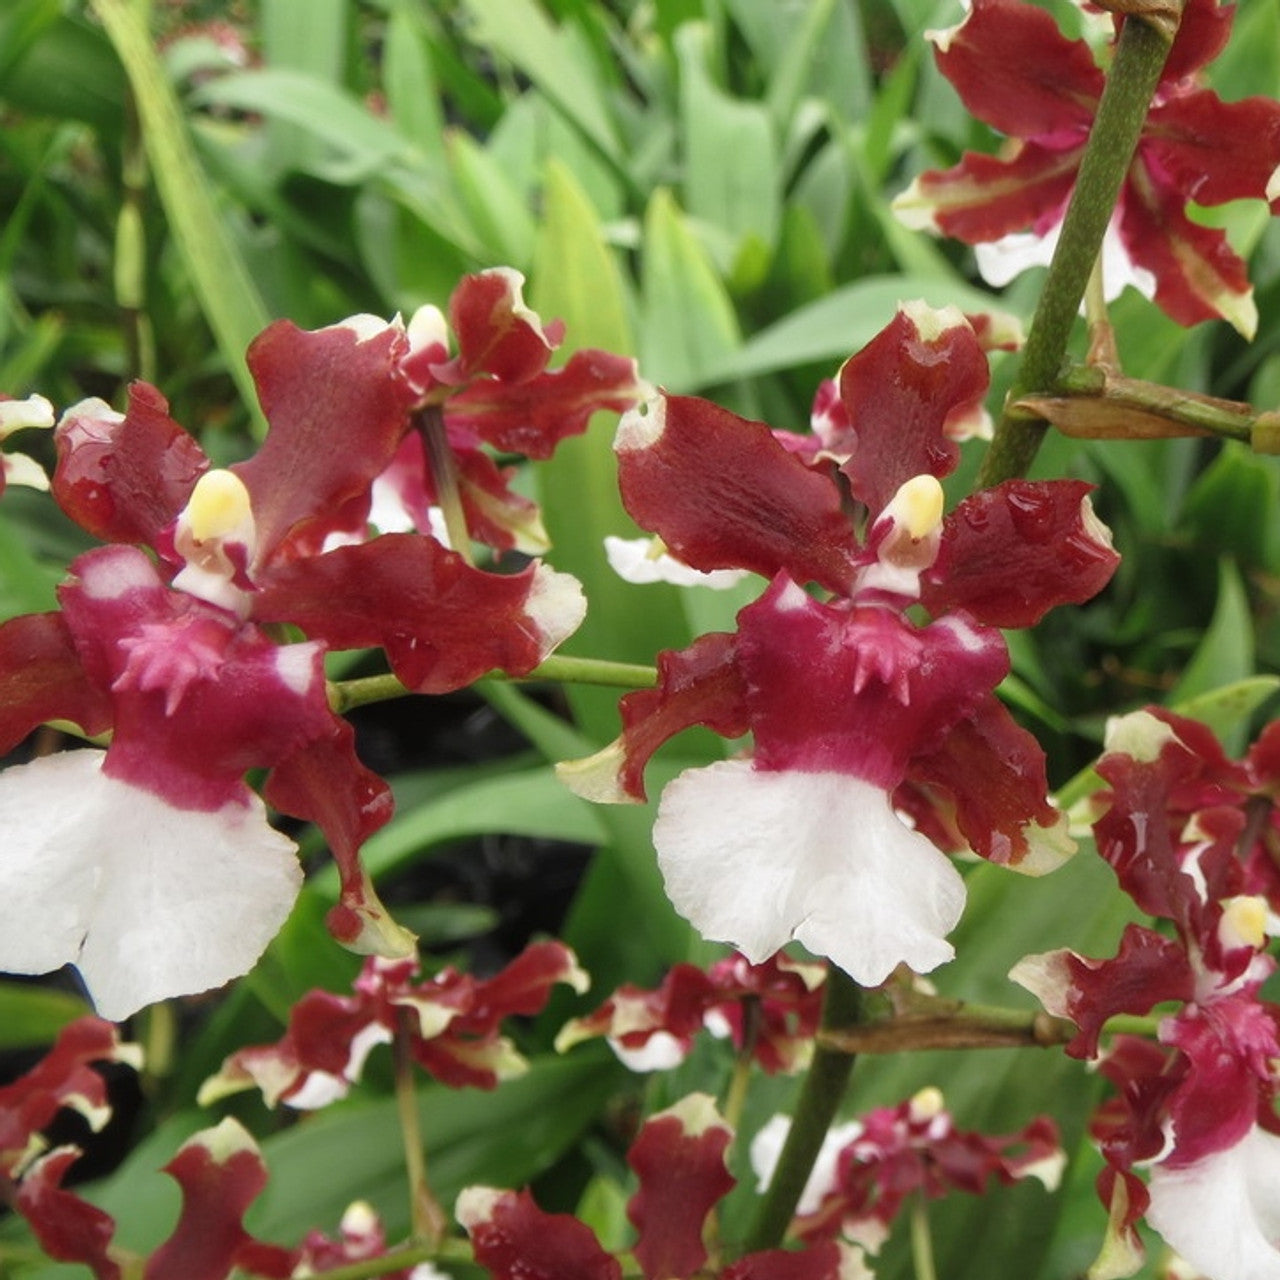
(857, 710)
(1014, 69)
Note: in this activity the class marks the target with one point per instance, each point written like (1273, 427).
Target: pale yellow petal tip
(917, 506)
(226, 1139)
(1244, 922)
(932, 322)
(1273, 186)
(219, 506)
(18, 415)
(915, 210)
(697, 1114)
(220, 1086)
(598, 778)
(641, 427)
(927, 1103)
(1048, 847)
(1240, 311)
(1138, 734)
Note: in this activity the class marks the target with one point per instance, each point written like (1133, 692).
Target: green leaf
(520, 32)
(688, 327)
(731, 161)
(1225, 654)
(1231, 508)
(412, 93)
(26, 583)
(838, 325)
(495, 209)
(1227, 709)
(64, 69)
(226, 291)
(357, 144)
(33, 1016)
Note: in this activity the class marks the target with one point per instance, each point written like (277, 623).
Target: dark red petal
(221, 1174)
(922, 370)
(515, 1240)
(533, 416)
(1213, 151)
(679, 1160)
(68, 1228)
(198, 697)
(723, 493)
(1010, 554)
(1198, 275)
(497, 334)
(1014, 69)
(442, 623)
(41, 678)
(817, 1262)
(857, 690)
(986, 197)
(1203, 33)
(337, 408)
(125, 480)
(1146, 970)
(698, 685)
(993, 773)
(523, 987)
(496, 515)
(325, 783)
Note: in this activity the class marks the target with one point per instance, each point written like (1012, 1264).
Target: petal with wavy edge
(68, 1228)
(338, 408)
(124, 477)
(1198, 275)
(1222, 1213)
(533, 416)
(147, 900)
(1012, 553)
(1214, 151)
(497, 332)
(724, 493)
(986, 197)
(442, 622)
(922, 371)
(1013, 68)
(759, 858)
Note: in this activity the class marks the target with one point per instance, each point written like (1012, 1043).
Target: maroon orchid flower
(1014, 69)
(1198, 1108)
(770, 1009)
(152, 865)
(678, 1159)
(870, 1168)
(452, 1021)
(848, 696)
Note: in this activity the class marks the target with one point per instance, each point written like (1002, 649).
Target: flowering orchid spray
(151, 865)
(1014, 69)
(856, 709)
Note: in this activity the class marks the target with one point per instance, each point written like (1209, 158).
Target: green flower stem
(399, 1260)
(820, 1098)
(1139, 59)
(428, 1219)
(346, 694)
(921, 1239)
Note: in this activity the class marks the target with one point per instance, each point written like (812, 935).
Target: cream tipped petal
(758, 858)
(147, 900)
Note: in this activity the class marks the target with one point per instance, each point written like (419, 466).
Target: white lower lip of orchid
(1222, 1213)
(758, 858)
(147, 900)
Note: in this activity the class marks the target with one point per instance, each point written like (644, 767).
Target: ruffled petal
(338, 408)
(442, 623)
(1013, 68)
(147, 900)
(124, 477)
(1222, 1214)
(723, 493)
(759, 858)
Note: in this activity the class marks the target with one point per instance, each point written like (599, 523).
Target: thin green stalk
(921, 1239)
(558, 669)
(1139, 59)
(429, 1223)
(820, 1097)
(429, 422)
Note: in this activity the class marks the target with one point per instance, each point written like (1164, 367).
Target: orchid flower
(1198, 1108)
(18, 415)
(151, 865)
(848, 696)
(1013, 68)
(679, 1161)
